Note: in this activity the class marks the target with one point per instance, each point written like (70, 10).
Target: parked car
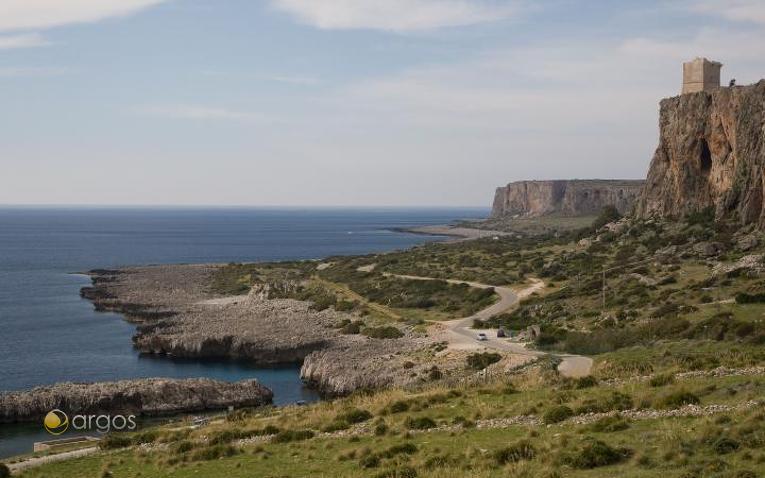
(482, 337)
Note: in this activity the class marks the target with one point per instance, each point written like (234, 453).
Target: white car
(482, 337)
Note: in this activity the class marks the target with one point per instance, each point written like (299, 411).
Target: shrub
(115, 441)
(399, 406)
(400, 472)
(677, 399)
(381, 429)
(607, 214)
(594, 454)
(479, 361)
(724, 445)
(183, 446)
(5, 472)
(370, 461)
(355, 415)
(352, 328)
(661, 380)
(213, 452)
(403, 449)
(557, 414)
(435, 374)
(387, 332)
(420, 423)
(335, 426)
(287, 436)
(744, 298)
(609, 424)
(585, 382)
(518, 451)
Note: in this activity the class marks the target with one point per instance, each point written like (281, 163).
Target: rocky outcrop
(143, 397)
(711, 154)
(564, 197)
(177, 315)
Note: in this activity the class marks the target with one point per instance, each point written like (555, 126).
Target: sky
(343, 102)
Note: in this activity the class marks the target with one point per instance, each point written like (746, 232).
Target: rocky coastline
(177, 314)
(141, 397)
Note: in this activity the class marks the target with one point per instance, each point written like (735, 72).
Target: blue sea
(49, 334)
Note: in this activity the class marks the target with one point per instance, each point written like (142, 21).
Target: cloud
(735, 10)
(395, 15)
(38, 14)
(21, 72)
(196, 112)
(28, 40)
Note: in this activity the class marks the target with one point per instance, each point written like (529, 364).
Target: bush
(557, 414)
(115, 441)
(435, 374)
(370, 461)
(723, 446)
(661, 380)
(183, 446)
(387, 332)
(677, 399)
(594, 454)
(518, 451)
(607, 215)
(400, 472)
(403, 449)
(399, 406)
(381, 429)
(352, 328)
(213, 453)
(353, 416)
(5, 472)
(744, 298)
(480, 361)
(585, 382)
(609, 424)
(420, 423)
(287, 436)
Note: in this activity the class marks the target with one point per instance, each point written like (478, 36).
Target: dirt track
(461, 336)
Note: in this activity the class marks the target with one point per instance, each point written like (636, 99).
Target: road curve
(460, 335)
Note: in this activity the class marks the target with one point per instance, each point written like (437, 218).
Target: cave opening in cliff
(706, 157)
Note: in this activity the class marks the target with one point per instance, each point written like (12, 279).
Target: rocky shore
(178, 315)
(142, 397)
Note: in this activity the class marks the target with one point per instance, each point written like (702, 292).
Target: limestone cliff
(711, 153)
(564, 197)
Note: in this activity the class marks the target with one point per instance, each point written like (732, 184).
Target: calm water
(51, 335)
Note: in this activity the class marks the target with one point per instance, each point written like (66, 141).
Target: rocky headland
(178, 315)
(142, 397)
(564, 197)
(711, 155)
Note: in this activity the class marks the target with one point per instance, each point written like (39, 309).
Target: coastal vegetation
(670, 313)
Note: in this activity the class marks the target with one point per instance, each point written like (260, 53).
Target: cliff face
(711, 154)
(565, 197)
(146, 397)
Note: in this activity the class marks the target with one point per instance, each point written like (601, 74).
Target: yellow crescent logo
(56, 422)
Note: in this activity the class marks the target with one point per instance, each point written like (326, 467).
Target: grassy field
(459, 431)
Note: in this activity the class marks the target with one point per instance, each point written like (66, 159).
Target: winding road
(459, 333)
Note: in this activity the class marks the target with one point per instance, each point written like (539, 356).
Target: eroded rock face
(143, 397)
(564, 197)
(711, 154)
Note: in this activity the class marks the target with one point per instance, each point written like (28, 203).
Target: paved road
(461, 335)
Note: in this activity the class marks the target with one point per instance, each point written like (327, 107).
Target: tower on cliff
(701, 75)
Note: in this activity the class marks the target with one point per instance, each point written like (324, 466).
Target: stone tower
(701, 75)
